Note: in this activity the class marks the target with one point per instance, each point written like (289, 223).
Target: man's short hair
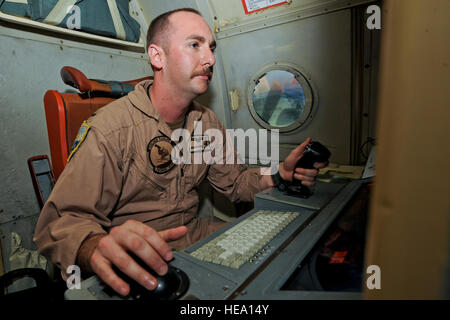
(158, 30)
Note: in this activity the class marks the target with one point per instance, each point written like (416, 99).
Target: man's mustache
(205, 72)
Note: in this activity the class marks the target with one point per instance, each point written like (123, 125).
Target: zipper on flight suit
(180, 183)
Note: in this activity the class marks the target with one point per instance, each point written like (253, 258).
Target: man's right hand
(140, 239)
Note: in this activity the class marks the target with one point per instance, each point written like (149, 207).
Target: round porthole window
(280, 97)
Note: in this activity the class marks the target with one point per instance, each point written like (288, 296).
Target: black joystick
(171, 286)
(314, 152)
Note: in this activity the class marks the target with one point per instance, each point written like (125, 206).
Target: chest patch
(159, 154)
(200, 143)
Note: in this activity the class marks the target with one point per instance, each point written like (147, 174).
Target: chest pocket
(154, 186)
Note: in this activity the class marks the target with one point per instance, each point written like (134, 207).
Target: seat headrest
(76, 79)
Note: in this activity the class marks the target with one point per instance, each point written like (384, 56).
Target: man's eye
(194, 45)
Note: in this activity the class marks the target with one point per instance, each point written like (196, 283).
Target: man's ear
(156, 55)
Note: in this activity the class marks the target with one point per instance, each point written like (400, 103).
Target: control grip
(314, 152)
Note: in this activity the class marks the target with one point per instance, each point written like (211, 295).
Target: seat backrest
(65, 112)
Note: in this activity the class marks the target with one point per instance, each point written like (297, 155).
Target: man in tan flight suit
(120, 190)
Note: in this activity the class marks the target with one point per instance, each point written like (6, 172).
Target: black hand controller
(171, 286)
(314, 152)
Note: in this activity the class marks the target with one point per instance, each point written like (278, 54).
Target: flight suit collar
(140, 99)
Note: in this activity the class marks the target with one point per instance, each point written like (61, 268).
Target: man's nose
(208, 57)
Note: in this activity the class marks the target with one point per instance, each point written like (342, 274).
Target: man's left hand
(288, 171)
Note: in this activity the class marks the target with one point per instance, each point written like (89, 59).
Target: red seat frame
(65, 112)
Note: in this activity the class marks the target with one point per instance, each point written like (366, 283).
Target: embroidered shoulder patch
(81, 135)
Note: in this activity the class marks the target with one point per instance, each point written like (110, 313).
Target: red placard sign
(256, 5)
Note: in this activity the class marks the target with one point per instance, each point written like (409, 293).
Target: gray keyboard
(243, 241)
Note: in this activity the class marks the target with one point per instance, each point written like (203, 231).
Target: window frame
(304, 81)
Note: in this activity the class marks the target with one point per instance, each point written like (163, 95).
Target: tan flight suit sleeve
(236, 181)
(78, 207)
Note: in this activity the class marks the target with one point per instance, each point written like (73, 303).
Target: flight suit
(120, 172)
